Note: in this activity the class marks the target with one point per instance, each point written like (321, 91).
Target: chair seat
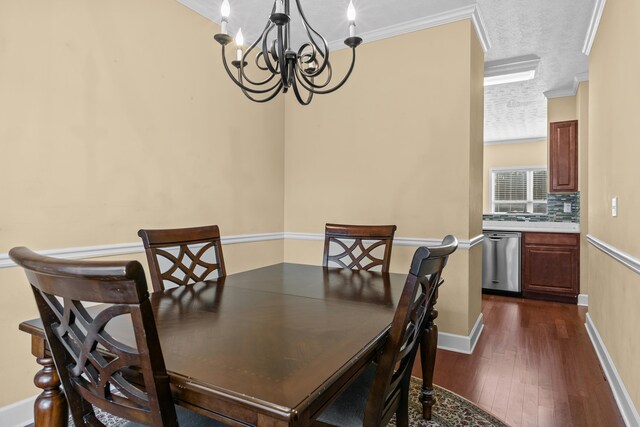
(186, 418)
(349, 408)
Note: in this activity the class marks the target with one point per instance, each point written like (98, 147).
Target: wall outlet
(567, 208)
(614, 207)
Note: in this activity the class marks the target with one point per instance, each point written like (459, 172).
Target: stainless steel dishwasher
(501, 262)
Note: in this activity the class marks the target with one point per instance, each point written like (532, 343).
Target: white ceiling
(554, 30)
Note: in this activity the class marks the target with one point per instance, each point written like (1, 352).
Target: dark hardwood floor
(534, 365)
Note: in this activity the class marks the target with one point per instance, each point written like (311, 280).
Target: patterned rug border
(450, 410)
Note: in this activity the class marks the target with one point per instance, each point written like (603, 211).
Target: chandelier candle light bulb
(225, 11)
(304, 69)
(351, 16)
(239, 43)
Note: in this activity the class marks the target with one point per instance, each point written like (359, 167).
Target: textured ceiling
(554, 30)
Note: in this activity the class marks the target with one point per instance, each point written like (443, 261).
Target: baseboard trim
(18, 414)
(620, 393)
(462, 343)
(583, 300)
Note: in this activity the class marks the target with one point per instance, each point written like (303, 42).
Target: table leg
(50, 408)
(428, 347)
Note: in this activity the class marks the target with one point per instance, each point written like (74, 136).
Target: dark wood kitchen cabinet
(563, 157)
(551, 266)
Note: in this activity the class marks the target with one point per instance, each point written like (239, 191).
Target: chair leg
(402, 413)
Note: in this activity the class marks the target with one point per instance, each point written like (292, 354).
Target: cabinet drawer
(554, 239)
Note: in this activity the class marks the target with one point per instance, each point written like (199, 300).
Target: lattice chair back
(358, 247)
(124, 376)
(183, 256)
(393, 375)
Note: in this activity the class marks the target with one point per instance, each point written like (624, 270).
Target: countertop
(540, 227)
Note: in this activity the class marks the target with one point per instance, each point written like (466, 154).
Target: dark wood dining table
(267, 347)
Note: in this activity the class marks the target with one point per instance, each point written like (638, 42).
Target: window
(519, 190)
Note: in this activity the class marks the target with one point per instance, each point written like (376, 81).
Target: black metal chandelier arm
(308, 79)
(260, 67)
(274, 69)
(281, 58)
(337, 86)
(324, 53)
(277, 89)
(298, 95)
(239, 82)
(260, 83)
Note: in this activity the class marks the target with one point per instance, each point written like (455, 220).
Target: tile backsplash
(555, 211)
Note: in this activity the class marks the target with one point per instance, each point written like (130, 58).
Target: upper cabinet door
(563, 157)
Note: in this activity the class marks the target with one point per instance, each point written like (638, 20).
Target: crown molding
(471, 12)
(559, 93)
(568, 91)
(203, 8)
(598, 10)
(511, 65)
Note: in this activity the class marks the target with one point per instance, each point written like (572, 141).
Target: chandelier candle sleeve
(225, 11)
(351, 16)
(304, 69)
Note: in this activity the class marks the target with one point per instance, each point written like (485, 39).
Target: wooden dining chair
(359, 247)
(123, 376)
(382, 390)
(183, 256)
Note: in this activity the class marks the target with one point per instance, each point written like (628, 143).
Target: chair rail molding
(624, 258)
(621, 395)
(397, 241)
(132, 248)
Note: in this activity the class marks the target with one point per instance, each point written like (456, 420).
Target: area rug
(450, 410)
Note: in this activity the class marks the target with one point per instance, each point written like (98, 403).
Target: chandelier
(307, 70)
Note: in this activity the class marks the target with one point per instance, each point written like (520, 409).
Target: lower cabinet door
(551, 266)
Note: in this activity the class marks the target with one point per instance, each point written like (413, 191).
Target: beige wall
(407, 152)
(561, 109)
(614, 290)
(527, 153)
(116, 116)
(121, 113)
(582, 113)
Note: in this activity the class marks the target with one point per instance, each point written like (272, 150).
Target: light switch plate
(614, 207)
(567, 208)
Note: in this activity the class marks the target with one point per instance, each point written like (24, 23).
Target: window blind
(519, 191)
